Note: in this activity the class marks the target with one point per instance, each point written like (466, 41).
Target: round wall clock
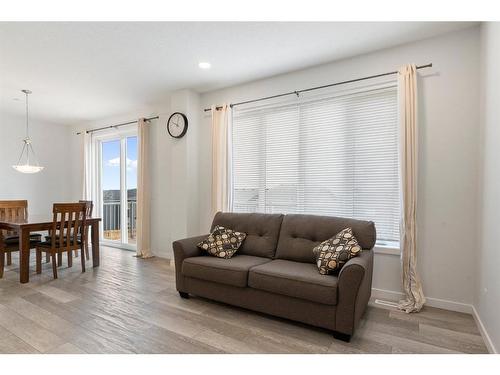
(177, 125)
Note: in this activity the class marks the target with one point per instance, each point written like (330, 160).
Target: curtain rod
(118, 125)
(314, 88)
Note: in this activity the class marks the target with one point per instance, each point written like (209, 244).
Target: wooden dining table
(39, 223)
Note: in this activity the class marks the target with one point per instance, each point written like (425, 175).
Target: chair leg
(38, 261)
(54, 265)
(47, 257)
(70, 258)
(9, 259)
(2, 260)
(87, 249)
(59, 259)
(82, 259)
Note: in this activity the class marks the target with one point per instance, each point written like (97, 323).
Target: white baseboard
(391, 295)
(484, 333)
(388, 295)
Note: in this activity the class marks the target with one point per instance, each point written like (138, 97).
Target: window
(332, 155)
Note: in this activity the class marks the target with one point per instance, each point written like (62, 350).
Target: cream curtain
(221, 159)
(408, 161)
(87, 166)
(143, 192)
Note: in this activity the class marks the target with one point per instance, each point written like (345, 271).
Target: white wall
(451, 188)
(51, 144)
(449, 120)
(174, 170)
(448, 177)
(488, 281)
(175, 176)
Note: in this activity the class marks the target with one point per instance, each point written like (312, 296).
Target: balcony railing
(112, 220)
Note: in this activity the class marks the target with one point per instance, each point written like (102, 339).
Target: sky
(111, 164)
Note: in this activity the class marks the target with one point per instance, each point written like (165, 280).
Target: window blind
(333, 155)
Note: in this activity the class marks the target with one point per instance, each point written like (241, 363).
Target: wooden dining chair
(67, 234)
(9, 241)
(89, 207)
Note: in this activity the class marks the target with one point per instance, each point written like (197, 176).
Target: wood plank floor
(129, 305)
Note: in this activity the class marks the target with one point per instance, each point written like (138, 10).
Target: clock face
(177, 125)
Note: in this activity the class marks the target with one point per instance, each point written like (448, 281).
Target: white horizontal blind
(336, 155)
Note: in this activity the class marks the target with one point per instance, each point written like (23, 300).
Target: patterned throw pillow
(222, 242)
(333, 253)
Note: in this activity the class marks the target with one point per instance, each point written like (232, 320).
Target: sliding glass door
(118, 188)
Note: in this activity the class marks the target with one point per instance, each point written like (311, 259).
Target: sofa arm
(185, 248)
(354, 291)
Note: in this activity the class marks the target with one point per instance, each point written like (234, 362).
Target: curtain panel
(87, 166)
(408, 161)
(221, 159)
(143, 192)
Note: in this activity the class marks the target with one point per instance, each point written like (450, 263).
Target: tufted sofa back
(262, 231)
(301, 233)
(291, 237)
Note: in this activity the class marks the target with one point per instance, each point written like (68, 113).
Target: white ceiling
(87, 71)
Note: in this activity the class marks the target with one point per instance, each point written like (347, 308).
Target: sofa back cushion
(301, 233)
(262, 231)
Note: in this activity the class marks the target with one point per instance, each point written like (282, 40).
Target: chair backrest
(13, 210)
(69, 220)
(89, 207)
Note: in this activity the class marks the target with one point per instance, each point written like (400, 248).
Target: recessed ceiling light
(204, 65)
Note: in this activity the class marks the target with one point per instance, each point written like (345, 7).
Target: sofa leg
(341, 336)
(184, 295)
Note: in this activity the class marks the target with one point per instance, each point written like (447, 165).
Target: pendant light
(27, 153)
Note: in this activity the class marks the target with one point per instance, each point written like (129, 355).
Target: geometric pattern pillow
(222, 242)
(333, 253)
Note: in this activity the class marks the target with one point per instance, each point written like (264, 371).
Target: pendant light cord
(27, 126)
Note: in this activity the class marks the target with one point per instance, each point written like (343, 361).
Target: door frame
(97, 140)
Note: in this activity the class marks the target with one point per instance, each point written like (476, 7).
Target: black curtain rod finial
(218, 108)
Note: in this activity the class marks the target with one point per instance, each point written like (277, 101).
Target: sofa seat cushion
(294, 279)
(232, 271)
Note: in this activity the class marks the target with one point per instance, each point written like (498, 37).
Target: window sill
(387, 250)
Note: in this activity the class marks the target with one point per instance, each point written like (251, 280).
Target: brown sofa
(274, 270)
